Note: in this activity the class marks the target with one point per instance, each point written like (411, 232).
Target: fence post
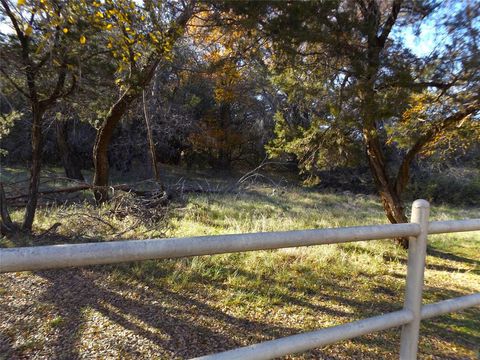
(417, 250)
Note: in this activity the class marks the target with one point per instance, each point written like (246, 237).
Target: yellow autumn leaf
(21, 2)
(83, 39)
(65, 30)
(153, 37)
(109, 26)
(28, 30)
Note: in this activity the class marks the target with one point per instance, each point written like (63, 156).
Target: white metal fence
(58, 256)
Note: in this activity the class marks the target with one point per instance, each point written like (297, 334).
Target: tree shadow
(359, 309)
(430, 266)
(452, 257)
(183, 325)
(7, 352)
(179, 320)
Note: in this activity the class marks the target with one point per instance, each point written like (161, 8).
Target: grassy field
(182, 308)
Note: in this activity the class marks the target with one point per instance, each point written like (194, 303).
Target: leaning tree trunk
(35, 168)
(104, 134)
(371, 64)
(391, 200)
(71, 166)
(151, 142)
(102, 142)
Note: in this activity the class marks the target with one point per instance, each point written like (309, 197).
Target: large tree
(361, 85)
(39, 59)
(140, 37)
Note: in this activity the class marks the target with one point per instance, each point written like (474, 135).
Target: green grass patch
(281, 291)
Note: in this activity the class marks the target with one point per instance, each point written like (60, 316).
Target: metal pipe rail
(310, 340)
(313, 339)
(60, 256)
(450, 226)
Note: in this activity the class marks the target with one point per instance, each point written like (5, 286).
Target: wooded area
(321, 86)
(130, 120)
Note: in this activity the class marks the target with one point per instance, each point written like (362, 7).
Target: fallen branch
(52, 228)
(81, 187)
(123, 187)
(69, 189)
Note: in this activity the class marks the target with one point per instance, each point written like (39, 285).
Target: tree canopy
(323, 84)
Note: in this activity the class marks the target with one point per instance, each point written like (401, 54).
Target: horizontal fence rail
(313, 339)
(441, 227)
(303, 342)
(450, 305)
(58, 256)
(69, 255)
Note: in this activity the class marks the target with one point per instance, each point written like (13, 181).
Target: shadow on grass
(430, 252)
(21, 239)
(452, 257)
(183, 326)
(6, 349)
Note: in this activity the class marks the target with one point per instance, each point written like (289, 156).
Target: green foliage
(6, 124)
(342, 66)
(424, 114)
(316, 146)
(133, 34)
(455, 186)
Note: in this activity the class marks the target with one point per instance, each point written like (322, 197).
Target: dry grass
(181, 308)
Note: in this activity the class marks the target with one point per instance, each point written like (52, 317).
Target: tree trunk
(71, 166)
(391, 200)
(151, 142)
(35, 168)
(104, 134)
(6, 224)
(223, 159)
(102, 142)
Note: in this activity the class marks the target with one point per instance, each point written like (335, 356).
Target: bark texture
(102, 142)
(6, 224)
(391, 198)
(35, 168)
